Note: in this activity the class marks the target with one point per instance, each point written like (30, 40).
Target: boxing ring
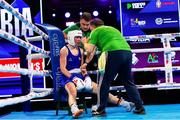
(56, 41)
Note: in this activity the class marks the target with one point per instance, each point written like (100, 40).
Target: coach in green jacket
(119, 59)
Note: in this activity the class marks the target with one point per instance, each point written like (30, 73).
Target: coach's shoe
(99, 113)
(129, 106)
(140, 110)
(94, 108)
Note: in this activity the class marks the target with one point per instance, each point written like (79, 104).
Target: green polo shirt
(108, 38)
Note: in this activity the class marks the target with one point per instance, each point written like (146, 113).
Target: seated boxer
(73, 79)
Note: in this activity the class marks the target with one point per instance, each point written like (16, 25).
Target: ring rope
(174, 68)
(24, 71)
(35, 38)
(160, 86)
(156, 50)
(167, 50)
(172, 35)
(8, 7)
(36, 56)
(47, 73)
(22, 43)
(21, 99)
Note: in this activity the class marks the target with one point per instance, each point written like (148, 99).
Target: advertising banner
(145, 17)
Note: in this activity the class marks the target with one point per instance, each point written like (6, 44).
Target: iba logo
(139, 5)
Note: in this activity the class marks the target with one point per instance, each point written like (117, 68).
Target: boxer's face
(77, 39)
(84, 25)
